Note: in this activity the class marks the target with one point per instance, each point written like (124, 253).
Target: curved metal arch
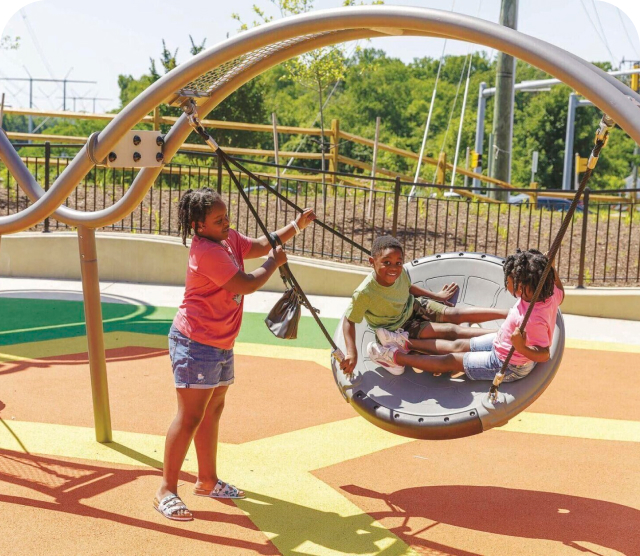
(338, 25)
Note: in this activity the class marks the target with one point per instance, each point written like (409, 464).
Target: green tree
(246, 104)
(317, 69)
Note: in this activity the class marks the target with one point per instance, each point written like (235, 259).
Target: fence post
(219, 173)
(47, 158)
(335, 149)
(583, 241)
(441, 168)
(534, 196)
(156, 118)
(396, 207)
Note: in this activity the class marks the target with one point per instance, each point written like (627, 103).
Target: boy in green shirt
(389, 303)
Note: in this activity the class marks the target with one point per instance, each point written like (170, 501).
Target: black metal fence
(601, 247)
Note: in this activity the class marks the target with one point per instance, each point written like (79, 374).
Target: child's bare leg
(450, 363)
(206, 440)
(439, 347)
(448, 331)
(192, 403)
(457, 315)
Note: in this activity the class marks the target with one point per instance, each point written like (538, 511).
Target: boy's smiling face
(387, 265)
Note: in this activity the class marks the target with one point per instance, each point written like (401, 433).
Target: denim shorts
(197, 365)
(482, 362)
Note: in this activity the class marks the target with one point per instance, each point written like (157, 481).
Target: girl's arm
(534, 353)
(443, 295)
(556, 279)
(243, 283)
(261, 246)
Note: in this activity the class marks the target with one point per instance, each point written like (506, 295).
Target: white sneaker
(384, 356)
(399, 338)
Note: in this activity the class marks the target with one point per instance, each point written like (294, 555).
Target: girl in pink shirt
(202, 336)
(482, 357)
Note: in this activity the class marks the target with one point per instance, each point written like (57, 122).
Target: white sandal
(221, 490)
(170, 505)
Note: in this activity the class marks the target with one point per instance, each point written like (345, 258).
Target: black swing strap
(293, 205)
(602, 136)
(285, 271)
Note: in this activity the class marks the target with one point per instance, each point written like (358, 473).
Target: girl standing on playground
(202, 336)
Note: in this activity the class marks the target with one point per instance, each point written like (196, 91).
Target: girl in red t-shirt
(202, 336)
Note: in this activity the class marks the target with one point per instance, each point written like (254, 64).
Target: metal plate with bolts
(137, 149)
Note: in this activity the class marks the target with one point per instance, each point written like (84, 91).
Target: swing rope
(285, 272)
(292, 204)
(602, 136)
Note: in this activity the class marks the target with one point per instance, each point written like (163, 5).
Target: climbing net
(207, 83)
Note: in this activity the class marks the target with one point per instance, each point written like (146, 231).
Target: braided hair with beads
(526, 269)
(194, 207)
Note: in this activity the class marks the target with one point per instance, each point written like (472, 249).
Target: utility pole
(503, 111)
(33, 80)
(74, 98)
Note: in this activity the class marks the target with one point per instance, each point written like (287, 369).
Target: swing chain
(601, 139)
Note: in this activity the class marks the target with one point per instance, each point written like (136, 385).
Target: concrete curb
(151, 259)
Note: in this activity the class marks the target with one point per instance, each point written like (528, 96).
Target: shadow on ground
(515, 513)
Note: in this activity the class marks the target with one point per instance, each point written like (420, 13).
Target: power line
(602, 38)
(604, 35)
(34, 39)
(626, 32)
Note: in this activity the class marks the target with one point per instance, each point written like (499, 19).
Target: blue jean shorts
(197, 365)
(482, 362)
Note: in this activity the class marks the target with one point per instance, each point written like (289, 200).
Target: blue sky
(96, 41)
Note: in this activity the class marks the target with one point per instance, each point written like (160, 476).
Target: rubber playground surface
(561, 478)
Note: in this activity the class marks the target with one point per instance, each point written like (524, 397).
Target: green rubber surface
(35, 320)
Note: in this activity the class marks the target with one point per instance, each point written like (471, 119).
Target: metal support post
(503, 108)
(568, 142)
(95, 333)
(491, 155)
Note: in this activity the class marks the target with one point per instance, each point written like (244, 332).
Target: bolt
(112, 157)
(159, 157)
(159, 140)
(136, 156)
(136, 140)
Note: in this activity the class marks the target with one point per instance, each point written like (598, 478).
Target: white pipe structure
(459, 139)
(426, 127)
(254, 52)
(484, 93)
